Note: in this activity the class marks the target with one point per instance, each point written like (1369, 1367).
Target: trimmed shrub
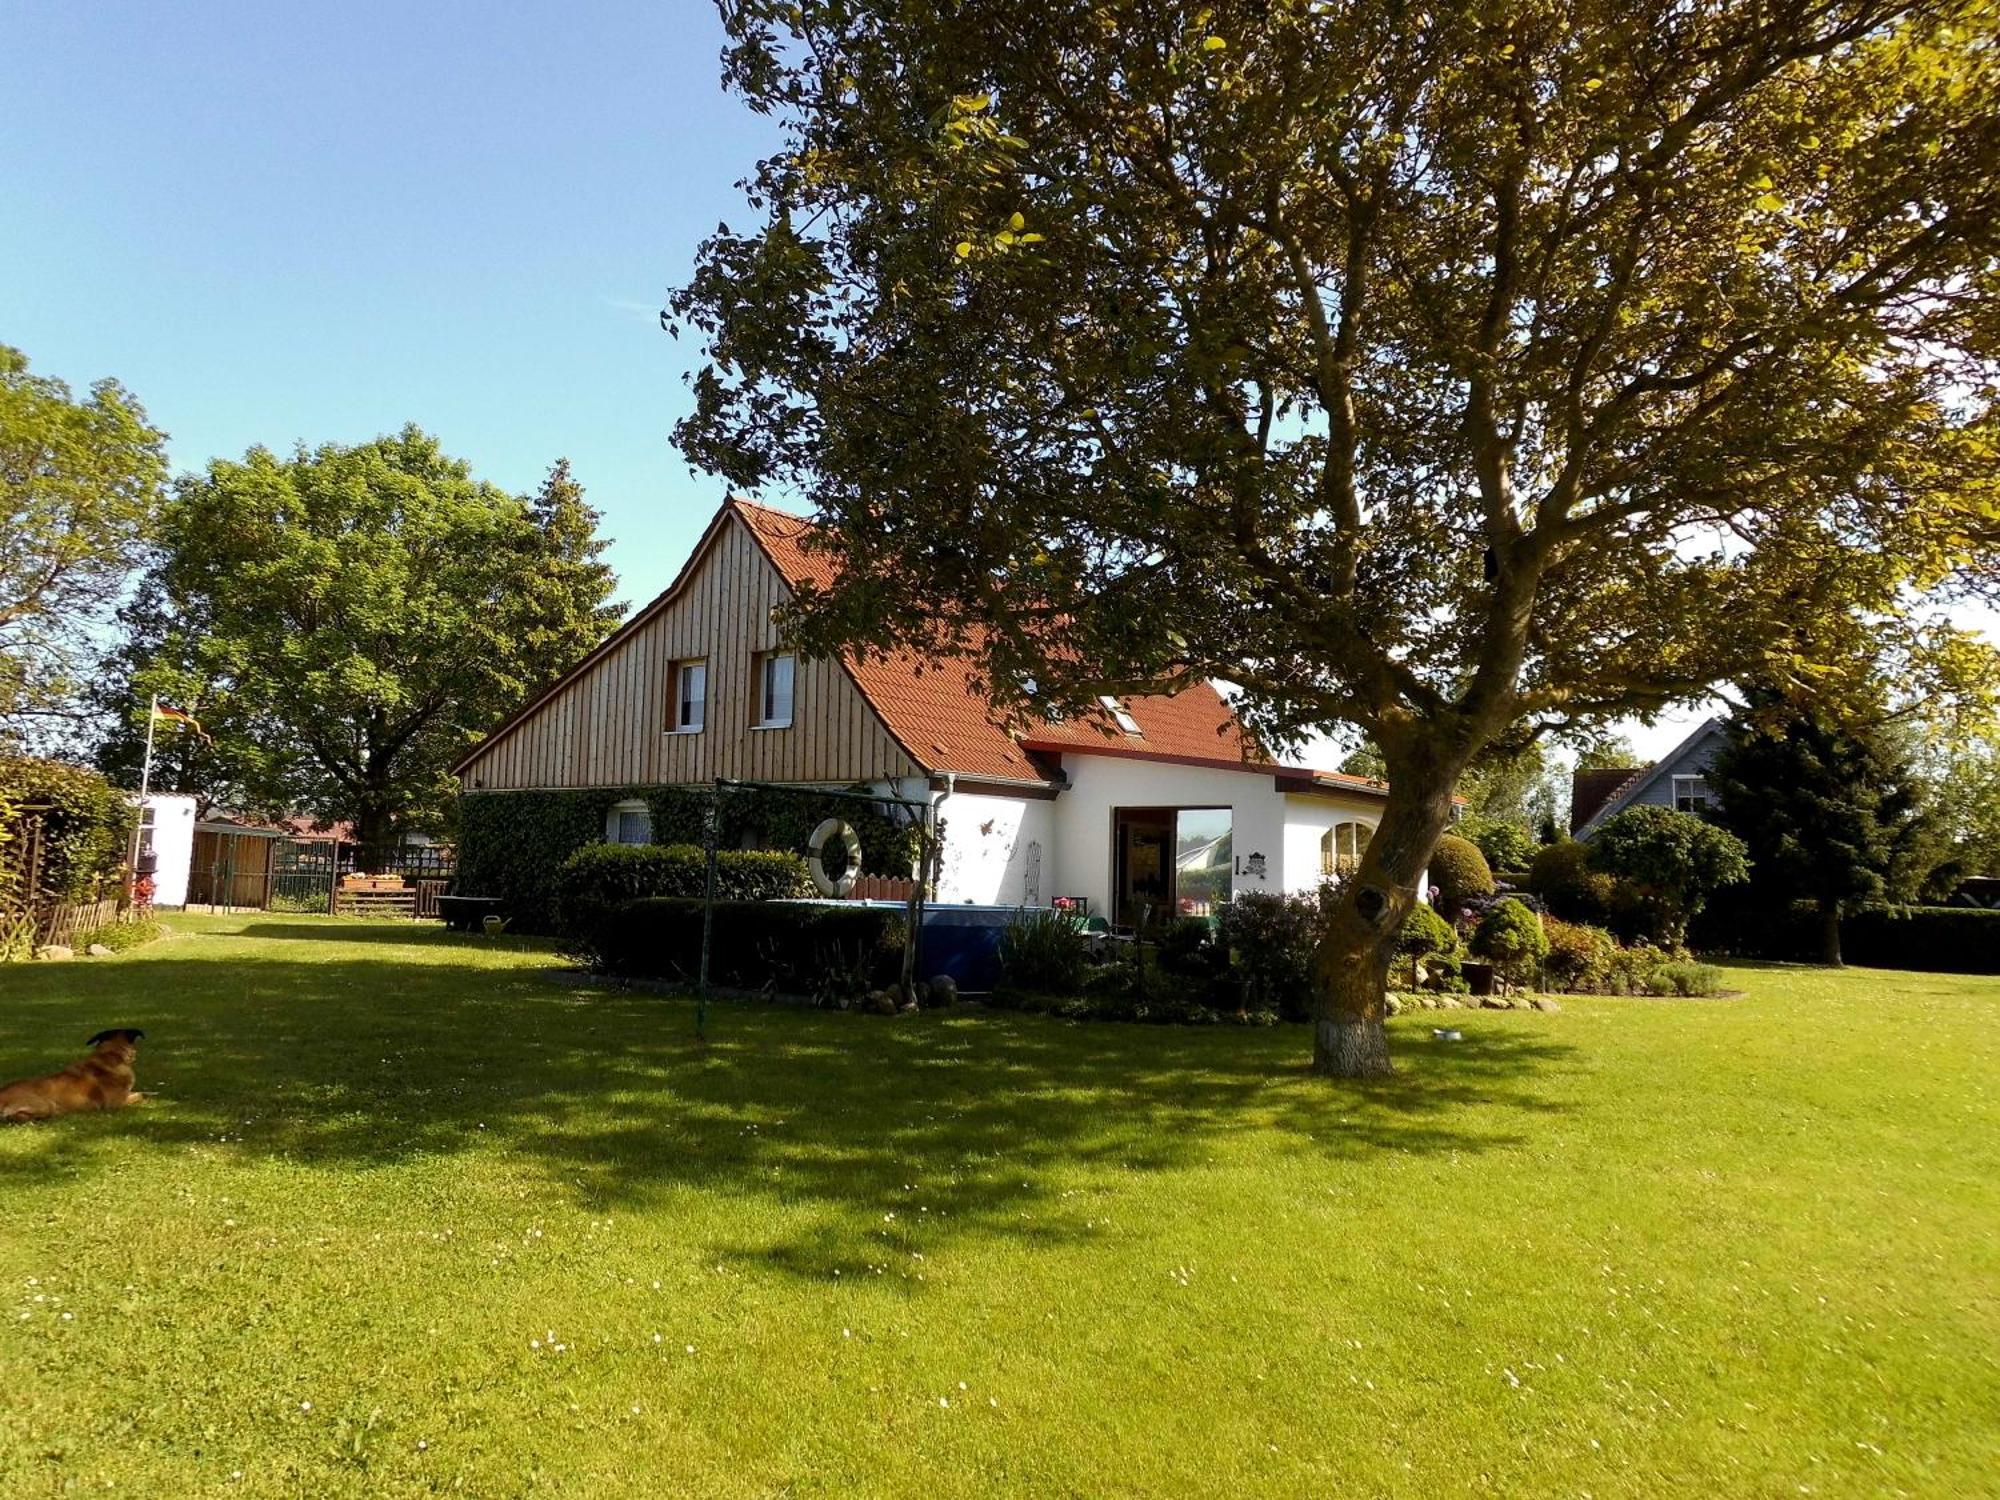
(1579, 956)
(600, 875)
(1941, 939)
(1561, 874)
(1425, 935)
(803, 948)
(1684, 977)
(511, 844)
(1044, 950)
(1510, 936)
(1188, 947)
(1507, 846)
(1674, 860)
(1460, 872)
(1270, 939)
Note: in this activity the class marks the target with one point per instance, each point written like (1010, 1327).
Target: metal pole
(711, 833)
(145, 787)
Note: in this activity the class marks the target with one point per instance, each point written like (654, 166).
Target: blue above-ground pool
(960, 942)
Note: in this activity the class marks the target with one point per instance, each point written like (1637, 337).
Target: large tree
(348, 620)
(79, 483)
(1455, 373)
(1829, 813)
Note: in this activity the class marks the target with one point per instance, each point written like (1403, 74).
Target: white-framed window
(775, 671)
(628, 823)
(1340, 848)
(1121, 714)
(1691, 795)
(690, 710)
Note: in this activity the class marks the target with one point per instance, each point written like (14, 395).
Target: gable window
(1340, 849)
(1691, 795)
(774, 689)
(690, 696)
(1122, 714)
(628, 823)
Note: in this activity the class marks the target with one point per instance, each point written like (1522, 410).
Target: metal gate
(303, 872)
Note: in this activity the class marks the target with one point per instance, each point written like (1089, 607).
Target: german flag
(174, 715)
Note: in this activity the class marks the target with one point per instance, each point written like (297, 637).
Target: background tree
(1674, 861)
(1456, 374)
(1611, 752)
(1828, 813)
(79, 483)
(353, 618)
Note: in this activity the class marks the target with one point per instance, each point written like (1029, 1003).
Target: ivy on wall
(512, 844)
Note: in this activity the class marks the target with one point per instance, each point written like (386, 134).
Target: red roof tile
(946, 723)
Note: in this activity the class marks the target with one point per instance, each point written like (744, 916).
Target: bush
(1044, 950)
(1579, 956)
(600, 875)
(1425, 934)
(1630, 970)
(85, 826)
(1673, 860)
(1684, 977)
(1269, 939)
(1941, 939)
(1561, 874)
(118, 936)
(1506, 846)
(1460, 872)
(511, 844)
(1510, 936)
(1187, 947)
(804, 948)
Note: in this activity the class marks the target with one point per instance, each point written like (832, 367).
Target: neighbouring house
(1678, 780)
(1160, 802)
(167, 832)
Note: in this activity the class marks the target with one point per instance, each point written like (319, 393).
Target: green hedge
(1941, 939)
(86, 826)
(804, 948)
(598, 876)
(512, 844)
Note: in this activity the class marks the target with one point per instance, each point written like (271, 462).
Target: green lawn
(412, 1213)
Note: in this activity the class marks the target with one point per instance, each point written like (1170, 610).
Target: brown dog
(102, 1080)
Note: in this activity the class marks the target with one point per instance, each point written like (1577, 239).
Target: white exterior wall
(1306, 821)
(1099, 783)
(998, 850)
(173, 844)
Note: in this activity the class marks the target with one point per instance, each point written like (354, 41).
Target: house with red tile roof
(1155, 803)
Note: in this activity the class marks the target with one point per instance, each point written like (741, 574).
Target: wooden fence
(61, 924)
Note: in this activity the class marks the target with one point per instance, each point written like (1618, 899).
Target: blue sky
(277, 223)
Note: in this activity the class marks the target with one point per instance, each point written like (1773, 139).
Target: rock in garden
(54, 951)
(98, 950)
(944, 990)
(1496, 1002)
(1543, 1002)
(882, 1003)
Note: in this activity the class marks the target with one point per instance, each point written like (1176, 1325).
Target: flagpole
(145, 786)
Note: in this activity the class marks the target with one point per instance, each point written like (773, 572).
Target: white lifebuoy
(850, 841)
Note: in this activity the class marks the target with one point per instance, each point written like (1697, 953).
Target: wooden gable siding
(607, 727)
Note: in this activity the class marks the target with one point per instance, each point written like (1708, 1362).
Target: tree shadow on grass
(958, 1125)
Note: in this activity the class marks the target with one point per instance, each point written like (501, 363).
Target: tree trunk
(1351, 962)
(374, 828)
(1829, 934)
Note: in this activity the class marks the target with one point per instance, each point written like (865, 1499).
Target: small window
(1122, 714)
(629, 823)
(774, 679)
(690, 696)
(1340, 849)
(1691, 795)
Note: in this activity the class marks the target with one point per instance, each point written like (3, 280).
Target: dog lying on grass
(102, 1080)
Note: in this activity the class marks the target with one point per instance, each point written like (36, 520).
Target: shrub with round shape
(1510, 937)
(1460, 872)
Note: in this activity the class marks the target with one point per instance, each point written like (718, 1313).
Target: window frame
(1705, 800)
(1121, 715)
(681, 668)
(615, 815)
(1330, 867)
(766, 719)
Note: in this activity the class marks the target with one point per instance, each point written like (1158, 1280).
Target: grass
(413, 1213)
